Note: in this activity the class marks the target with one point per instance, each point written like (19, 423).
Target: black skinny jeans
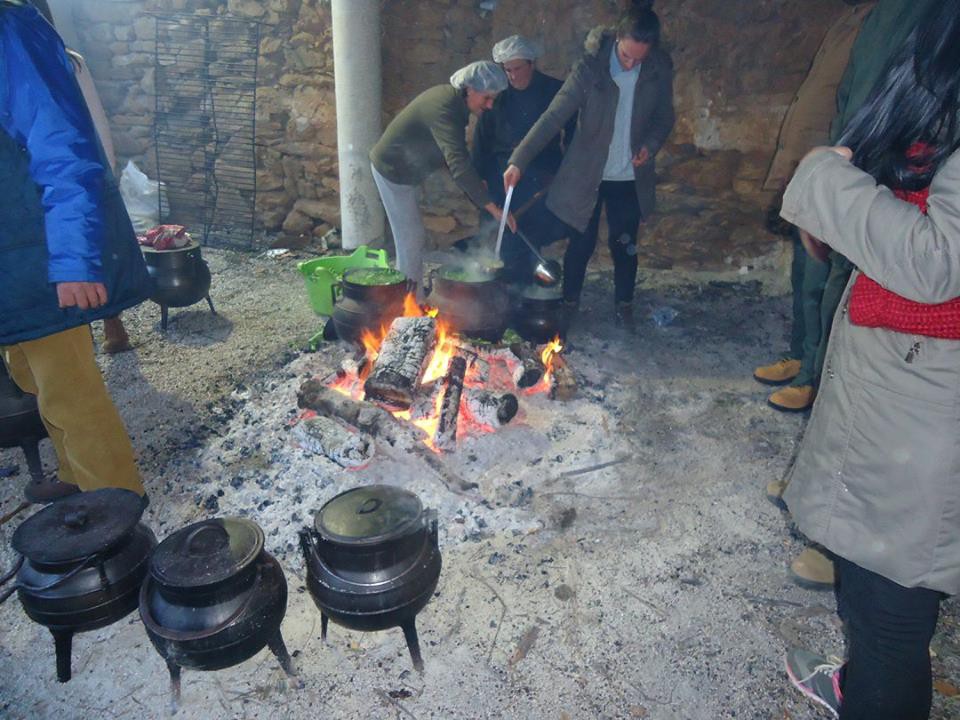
(889, 627)
(623, 222)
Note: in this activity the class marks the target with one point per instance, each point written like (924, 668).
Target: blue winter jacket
(61, 215)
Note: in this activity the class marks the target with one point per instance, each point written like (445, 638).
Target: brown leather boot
(813, 570)
(46, 489)
(793, 399)
(115, 338)
(778, 373)
(775, 490)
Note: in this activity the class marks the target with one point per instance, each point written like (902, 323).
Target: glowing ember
(446, 348)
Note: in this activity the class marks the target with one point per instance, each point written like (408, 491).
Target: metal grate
(205, 124)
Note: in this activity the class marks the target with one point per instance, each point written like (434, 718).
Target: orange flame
(554, 347)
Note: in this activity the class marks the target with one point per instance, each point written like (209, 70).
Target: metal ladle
(547, 272)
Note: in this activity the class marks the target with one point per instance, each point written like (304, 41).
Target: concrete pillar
(357, 76)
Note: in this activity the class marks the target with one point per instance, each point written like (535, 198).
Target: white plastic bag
(141, 196)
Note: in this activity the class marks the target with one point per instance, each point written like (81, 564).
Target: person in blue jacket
(68, 256)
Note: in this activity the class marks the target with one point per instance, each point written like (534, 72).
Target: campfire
(445, 385)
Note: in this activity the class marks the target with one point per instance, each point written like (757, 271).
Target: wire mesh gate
(205, 125)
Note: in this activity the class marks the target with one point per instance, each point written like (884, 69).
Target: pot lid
(537, 292)
(206, 553)
(368, 515)
(78, 526)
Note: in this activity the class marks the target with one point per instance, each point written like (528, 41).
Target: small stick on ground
(503, 614)
(13, 513)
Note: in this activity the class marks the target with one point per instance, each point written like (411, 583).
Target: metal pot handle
(7, 578)
(169, 634)
(334, 295)
(191, 539)
(307, 543)
(41, 588)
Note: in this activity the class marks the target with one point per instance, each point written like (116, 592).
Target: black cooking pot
(373, 561)
(181, 278)
(539, 315)
(368, 307)
(214, 598)
(83, 561)
(475, 304)
(20, 423)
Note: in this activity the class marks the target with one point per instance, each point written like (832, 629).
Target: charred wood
(531, 369)
(402, 360)
(490, 409)
(446, 435)
(564, 381)
(314, 395)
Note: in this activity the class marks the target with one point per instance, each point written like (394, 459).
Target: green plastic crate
(323, 275)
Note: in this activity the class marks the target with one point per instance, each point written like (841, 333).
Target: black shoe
(47, 489)
(623, 317)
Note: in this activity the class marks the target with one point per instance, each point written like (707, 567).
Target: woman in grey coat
(877, 479)
(622, 89)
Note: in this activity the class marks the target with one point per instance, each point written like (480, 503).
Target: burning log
(564, 381)
(489, 409)
(401, 361)
(446, 435)
(531, 368)
(314, 395)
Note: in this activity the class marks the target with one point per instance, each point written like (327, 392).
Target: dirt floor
(617, 558)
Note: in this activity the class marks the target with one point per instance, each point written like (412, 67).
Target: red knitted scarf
(872, 305)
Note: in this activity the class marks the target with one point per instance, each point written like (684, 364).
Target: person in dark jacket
(497, 134)
(68, 255)
(426, 135)
(622, 89)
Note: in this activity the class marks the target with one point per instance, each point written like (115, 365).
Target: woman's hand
(511, 177)
(641, 157)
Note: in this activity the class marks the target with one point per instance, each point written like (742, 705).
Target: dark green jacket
(590, 91)
(883, 33)
(429, 133)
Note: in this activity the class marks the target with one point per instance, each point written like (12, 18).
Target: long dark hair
(915, 101)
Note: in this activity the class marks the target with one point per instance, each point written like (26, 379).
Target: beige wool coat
(877, 478)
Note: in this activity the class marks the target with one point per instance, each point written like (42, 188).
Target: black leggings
(623, 222)
(889, 627)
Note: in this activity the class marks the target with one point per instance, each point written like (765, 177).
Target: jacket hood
(596, 38)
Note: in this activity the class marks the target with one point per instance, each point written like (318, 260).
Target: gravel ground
(616, 560)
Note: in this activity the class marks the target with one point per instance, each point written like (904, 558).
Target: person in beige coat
(877, 478)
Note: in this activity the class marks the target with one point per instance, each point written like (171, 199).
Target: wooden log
(490, 409)
(564, 380)
(446, 435)
(314, 395)
(397, 436)
(531, 369)
(403, 356)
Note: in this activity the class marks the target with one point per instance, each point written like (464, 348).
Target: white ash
(257, 467)
(347, 447)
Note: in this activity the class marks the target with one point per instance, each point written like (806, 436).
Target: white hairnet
(516, 47)
(483, 76)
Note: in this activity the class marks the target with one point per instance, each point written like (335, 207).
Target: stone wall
(738, 63)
